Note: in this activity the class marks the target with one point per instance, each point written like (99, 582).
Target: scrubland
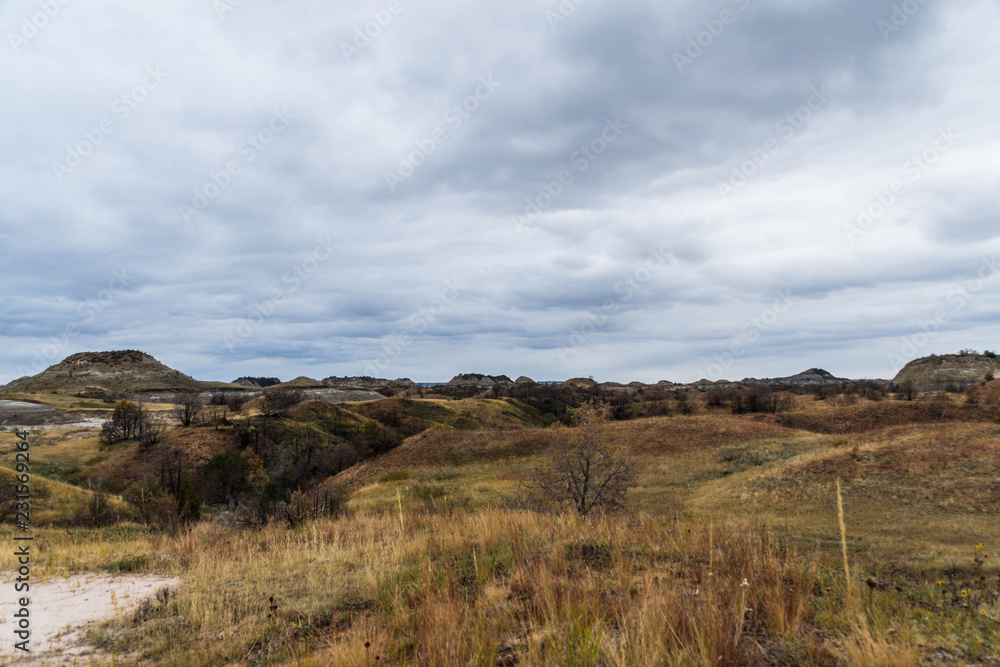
(730, 551)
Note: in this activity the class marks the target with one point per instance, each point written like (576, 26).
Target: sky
(625, 190)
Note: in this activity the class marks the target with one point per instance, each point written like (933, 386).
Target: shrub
(326, 500)
(144, 497)
(907, 390)
(283, 398)
(584, 469)
(130, 421)
(231, 475)
(188, 407)
(188, 506)
(97, 512)
(760, 398)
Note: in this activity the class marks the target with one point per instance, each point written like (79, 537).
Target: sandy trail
(62, 609)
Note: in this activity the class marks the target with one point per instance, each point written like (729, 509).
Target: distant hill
(366, 382)
(809, 378)
(256, 383)
(109, 374)
(579, 383)
(940, 373)
(478, 380)
(301, 382)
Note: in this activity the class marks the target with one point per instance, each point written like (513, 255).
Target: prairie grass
(489, 587)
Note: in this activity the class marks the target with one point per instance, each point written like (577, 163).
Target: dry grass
(491, 587)
(836, 417)
(429, 568)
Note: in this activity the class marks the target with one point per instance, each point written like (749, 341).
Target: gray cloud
(528, 288)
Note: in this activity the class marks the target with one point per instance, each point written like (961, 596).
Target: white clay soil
(62, 609)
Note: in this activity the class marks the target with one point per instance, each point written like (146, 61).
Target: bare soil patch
(62, 609)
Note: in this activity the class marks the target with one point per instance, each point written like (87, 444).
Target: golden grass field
(730, 553)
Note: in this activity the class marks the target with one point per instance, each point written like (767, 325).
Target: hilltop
(809, 378)
(478, 380)
(108, 374)
(949, 371)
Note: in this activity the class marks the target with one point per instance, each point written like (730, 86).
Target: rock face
(106, 374)
(705, 383)
(940, 373)
(130, 373)
(478, 380)
(809, 378)
(368, 382)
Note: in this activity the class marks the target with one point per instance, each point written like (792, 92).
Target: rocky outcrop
(809, 378)
(109, 374)
(579, 383)
(478, 380)
(710, 384)
(256, 383)
(948, 371)
(524, 379)
(366, 382)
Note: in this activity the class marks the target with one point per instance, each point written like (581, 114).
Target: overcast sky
(616, 189)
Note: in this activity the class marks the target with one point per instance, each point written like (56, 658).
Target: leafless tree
(584, 468)
(283, 398)
(188, 407)
(235, 402)
(153, 432)
(130, 421)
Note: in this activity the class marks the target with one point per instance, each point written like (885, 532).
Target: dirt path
(62, 609)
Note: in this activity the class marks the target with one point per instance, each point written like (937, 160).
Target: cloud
(195, 281)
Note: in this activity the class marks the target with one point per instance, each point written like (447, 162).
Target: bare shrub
(235, 403)
(718, 397)
(144, 497)
(152, 434)
(907, 391)
(282, 398)
(326, 500)
(760, 398)
(97, 512)
(188, 407)
(584, 469)
(130, 421)
(873, 391)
